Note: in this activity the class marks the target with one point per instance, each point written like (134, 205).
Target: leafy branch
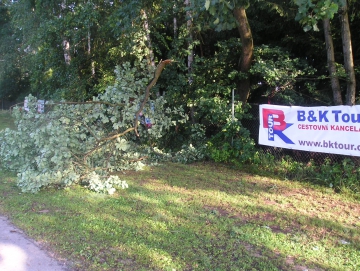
(157, 74)
(84, 142)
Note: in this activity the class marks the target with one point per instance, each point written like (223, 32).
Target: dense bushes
(343, 175)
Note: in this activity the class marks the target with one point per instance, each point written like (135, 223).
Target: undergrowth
(340, 176)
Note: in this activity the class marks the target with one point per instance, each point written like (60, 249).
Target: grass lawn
(202, 216)
(6, 120)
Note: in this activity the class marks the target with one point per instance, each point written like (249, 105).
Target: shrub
(344, 175)
(233, 144)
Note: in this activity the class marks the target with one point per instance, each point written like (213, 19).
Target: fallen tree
(87, 142)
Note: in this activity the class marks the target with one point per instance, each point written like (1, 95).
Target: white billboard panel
(334, 129)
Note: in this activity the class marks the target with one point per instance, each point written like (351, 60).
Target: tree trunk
(243, 86)
(348, 55)
(334, 79)
(190, 43)
(148, 38)
(175, 21)
(175, 27)
(65, 42)
(151, 57)
(66, 48)
(190, 58)
(89, 54)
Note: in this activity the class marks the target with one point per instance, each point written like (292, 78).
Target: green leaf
(207, 4)
(307, 28)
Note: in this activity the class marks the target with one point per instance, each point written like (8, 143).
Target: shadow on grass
(175, 231)
(189, 218)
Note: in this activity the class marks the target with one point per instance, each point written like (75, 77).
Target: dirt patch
(217, 210)
(290, 261)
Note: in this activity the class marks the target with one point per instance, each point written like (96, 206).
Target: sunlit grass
(201, 220)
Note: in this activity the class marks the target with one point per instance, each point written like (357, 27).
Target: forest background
(69, 49)
(297, 52)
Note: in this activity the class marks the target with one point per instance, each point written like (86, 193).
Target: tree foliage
(86, 142)
(311, 12)
(102, 34)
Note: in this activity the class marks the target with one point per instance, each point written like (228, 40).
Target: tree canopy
(69, 49)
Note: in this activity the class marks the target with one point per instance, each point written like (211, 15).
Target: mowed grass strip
(202, 216)
(198, 217)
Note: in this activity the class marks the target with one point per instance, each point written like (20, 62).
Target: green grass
(198, 217)
(202, 216)
(6, 120)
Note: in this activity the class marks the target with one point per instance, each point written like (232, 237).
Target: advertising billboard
(334, 129)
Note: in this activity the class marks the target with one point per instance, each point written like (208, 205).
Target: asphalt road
(19, 253)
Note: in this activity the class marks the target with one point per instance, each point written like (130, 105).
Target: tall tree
(334, 79)
(13, 79)
(243, 86)
(222, 11)
(309, 13)
(347, 51)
